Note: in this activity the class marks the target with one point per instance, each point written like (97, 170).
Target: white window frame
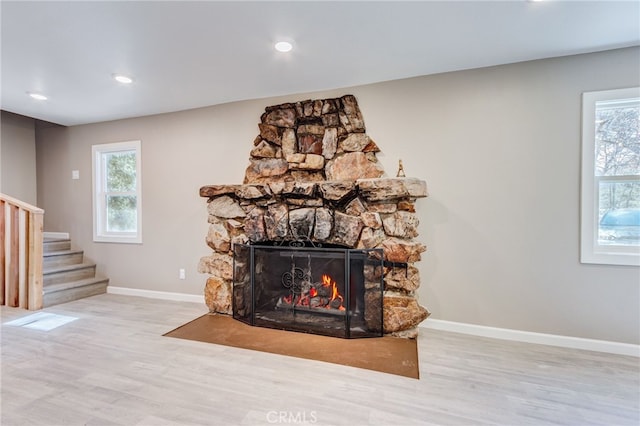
(100, 233)
(590, 250)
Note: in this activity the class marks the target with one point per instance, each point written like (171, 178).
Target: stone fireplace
(314, 177)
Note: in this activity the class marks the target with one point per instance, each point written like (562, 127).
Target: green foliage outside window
(121, 182)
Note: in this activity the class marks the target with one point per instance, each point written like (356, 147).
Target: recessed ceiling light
(38, 96)
(283, 46)
(122, 79)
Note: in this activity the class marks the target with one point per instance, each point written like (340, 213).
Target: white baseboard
(436, 324)
(56, 235)
(151, 294)
(531, 337)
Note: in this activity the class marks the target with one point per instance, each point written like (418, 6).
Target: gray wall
(499, 148)
(18, 157)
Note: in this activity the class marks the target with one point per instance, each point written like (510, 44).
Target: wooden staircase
(66, 275)
(36, 271)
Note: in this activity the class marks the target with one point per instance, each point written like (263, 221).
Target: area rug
(391, 355)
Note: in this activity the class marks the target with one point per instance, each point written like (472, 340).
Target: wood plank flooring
(112, 366)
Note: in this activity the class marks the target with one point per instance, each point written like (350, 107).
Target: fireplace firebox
(330, 291)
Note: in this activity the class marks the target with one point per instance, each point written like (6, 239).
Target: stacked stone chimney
(314, 175)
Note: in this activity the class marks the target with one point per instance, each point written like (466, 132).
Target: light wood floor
(112, 366)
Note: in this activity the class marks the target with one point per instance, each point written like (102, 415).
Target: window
(117, 201)
(610, 211)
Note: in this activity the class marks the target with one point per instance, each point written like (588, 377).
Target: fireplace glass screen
(330, 291)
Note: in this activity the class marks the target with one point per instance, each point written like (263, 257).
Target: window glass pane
(121, 171)
(619, 218)
(610, 181)
(117, 192)
(122, 213)
(617, 141)
(617, 138)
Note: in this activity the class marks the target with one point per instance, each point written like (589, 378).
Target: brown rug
(391, 355)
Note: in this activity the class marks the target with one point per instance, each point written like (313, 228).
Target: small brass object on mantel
(400, 169)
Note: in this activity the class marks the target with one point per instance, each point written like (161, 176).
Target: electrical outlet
(75, 174)
(182, 274)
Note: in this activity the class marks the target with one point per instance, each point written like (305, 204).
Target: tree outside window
(117, 192)
(120, 192)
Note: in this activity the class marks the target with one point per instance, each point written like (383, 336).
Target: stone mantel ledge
(374, 189)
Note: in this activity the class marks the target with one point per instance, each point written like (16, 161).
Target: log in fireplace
(331, 291)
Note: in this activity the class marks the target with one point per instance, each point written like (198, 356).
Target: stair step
(66, 275)
(56, 244)
(62, 257)
(54, 294)
(63, 273)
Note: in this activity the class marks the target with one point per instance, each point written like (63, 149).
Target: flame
(304, 299)
(327, 281)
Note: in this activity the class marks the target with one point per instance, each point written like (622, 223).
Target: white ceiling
(190, 54)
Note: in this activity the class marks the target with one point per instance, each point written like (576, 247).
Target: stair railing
(21, 253)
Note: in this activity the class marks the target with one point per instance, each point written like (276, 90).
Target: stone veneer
(314, 175)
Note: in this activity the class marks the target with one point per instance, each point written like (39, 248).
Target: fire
(329, 295)
(327, 281)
